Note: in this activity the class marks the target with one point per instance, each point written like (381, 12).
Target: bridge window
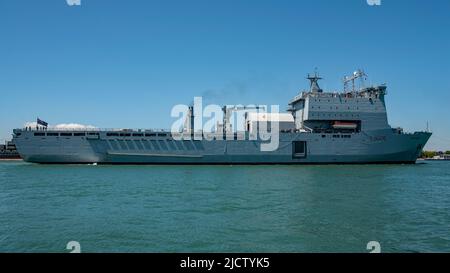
(79, 134)
(66, 134)
(39, 134)
(52, 134)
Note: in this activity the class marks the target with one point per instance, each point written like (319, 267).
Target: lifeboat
(344, 125)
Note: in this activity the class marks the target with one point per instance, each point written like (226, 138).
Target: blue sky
(125, 64)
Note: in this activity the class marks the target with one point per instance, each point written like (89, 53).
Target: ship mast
(358, 74)
(314, 88)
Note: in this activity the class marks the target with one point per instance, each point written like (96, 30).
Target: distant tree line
(430, 154)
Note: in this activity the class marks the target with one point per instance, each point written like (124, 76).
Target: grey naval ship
(347, 127)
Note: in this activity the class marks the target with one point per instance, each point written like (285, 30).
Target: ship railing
(363, 93)
(85, 129)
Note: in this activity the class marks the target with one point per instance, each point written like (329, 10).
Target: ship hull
(374, 147)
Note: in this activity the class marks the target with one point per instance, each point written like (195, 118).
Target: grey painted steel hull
(378, 146)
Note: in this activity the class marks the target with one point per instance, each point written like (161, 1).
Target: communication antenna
(358, 74)
(314, 79)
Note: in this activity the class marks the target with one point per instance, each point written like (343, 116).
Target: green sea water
(332, 208)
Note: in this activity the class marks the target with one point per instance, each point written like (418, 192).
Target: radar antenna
(314, 79)
(358, 74)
